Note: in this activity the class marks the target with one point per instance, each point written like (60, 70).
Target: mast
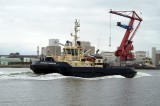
(77, 24)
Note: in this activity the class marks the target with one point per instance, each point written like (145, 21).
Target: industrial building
(51, 51)
(15, 59)
(155, 56)
(110, 58)
(54, 48)
(87, 46)
(139, 56)
(10, 61)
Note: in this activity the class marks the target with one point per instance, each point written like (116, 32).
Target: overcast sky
(26, 24)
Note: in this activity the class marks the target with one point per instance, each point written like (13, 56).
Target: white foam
(1, 73)
(142, 74)
(50, 76)
(138, 75)
(99, 78)
(111, 76)
(29, 76)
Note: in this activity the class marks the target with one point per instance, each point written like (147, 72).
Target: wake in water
(142, 74)
(27, 74)
(30, 76)
(138, 75)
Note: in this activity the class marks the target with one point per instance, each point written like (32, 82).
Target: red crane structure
(124, 50)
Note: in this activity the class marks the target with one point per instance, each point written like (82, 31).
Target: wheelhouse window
(73, 52)
(67, 51)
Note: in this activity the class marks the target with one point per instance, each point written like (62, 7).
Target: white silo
(154, 55)
(38, 51)
(53, 42)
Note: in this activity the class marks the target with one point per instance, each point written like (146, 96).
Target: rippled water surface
(21, 87)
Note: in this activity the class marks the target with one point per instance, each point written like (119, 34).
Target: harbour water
(21, 87)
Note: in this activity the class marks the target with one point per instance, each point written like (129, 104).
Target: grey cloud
(36, 21)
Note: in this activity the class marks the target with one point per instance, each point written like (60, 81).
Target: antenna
(110, 32)
(77, 24)
(98, 41)
(37, 51)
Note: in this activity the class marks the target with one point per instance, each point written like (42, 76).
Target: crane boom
(122, 13)
(125, 48)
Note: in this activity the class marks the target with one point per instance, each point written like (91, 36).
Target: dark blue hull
(41, 67)
(89, 72)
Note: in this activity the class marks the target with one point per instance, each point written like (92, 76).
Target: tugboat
(75, 62)
(146, 64)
